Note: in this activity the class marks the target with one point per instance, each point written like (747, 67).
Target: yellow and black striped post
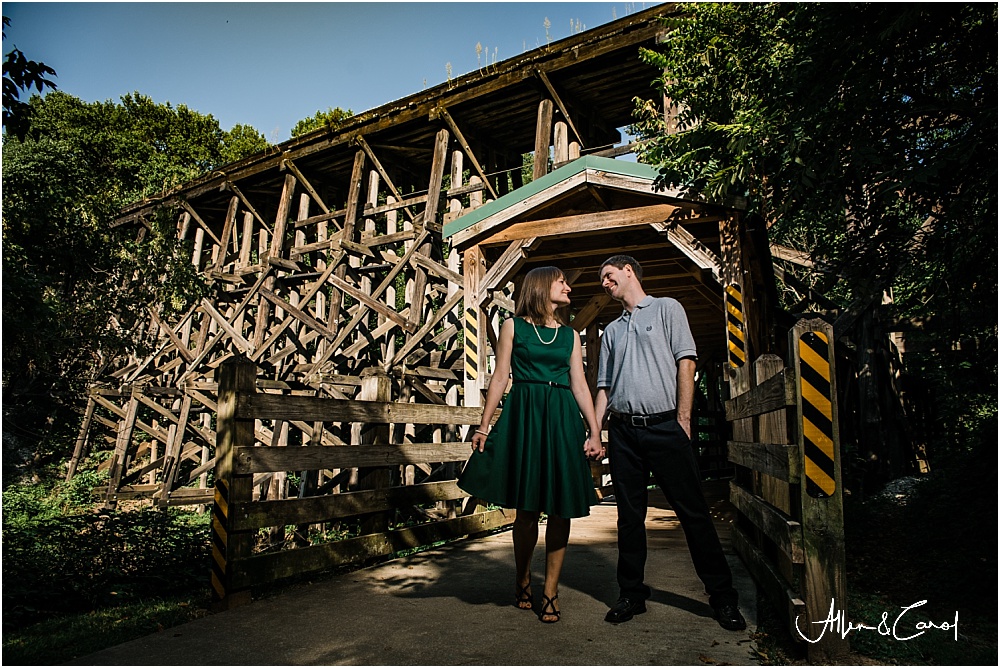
(823, 583)
(471, 344)
(735, 326)
(817, 414)
(220, 540)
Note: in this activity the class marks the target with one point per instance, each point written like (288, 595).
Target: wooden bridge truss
(324, 260)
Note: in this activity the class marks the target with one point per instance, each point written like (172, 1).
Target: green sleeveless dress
(533, 458)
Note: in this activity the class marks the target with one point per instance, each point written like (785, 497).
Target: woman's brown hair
(533, 297)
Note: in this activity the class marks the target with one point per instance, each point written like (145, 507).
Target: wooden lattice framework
(325, 261)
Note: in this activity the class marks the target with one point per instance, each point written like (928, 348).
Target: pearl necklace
(543, 341)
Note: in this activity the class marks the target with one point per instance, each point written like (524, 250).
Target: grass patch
(67, 637)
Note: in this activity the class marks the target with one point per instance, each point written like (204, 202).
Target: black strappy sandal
(522, 595)
(549, 610)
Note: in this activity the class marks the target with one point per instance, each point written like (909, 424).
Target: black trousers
(665, 451)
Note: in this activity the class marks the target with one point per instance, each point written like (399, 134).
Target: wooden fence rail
(790, 525)
(237, 518)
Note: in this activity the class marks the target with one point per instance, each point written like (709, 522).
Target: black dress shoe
(729, 617)
(624, 610)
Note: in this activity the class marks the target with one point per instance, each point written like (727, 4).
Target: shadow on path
(454, 606)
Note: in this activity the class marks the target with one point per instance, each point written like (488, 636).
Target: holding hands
(593, 447)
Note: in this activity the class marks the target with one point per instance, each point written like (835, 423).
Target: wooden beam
(178, 344)
(360, 140)
(586, 315)
(778, 460)
(508, 264)
(428, 327)
(194, 214)
(559, 103)
(252, 516)
(372, 303)
(785, 532)
(353, 196)
(582, 223)
(229, 185)
(227, 231)
(308, 409)
(693, 249)
(291, 166)
(776, 392)
(450, 122)
(237, 338)
(297, 313)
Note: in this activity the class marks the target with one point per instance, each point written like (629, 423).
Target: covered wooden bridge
(357, 277)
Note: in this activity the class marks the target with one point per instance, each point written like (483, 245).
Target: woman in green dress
(535, 458)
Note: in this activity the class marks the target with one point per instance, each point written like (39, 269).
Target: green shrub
(61, 558)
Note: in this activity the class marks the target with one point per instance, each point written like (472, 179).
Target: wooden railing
(237, 518)
(790, 526)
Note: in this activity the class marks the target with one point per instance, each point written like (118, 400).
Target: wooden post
(123, 445)
(475, 324)
(561, 143)
(543, 139)
(824, 587)
(375, 386)
(81, 439)
(236, 377)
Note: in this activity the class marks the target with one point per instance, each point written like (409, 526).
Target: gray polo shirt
(639, 355)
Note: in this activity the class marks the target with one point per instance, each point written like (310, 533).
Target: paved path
(453, 606)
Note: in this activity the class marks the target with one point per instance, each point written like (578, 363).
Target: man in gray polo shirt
(645, 392)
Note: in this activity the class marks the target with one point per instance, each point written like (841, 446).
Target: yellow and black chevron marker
(735, 329)
(220, 539)
(471, 344)
(817, 414)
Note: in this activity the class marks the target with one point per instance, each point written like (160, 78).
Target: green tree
(866, 134)
(20, 74)
(67, 270)
(331, 118)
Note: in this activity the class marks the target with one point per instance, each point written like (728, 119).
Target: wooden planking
(248, 516)
(273, 407)
(785, 532)
(764, 574)
(778, 460)
(277, 565)
(312, 458)
(774, 393)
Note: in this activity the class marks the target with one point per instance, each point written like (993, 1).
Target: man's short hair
(619, 261)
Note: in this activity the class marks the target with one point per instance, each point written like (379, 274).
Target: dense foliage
(75, 287)
(865, 134)
(331, 118)
(76, 580)
(60, 556)
(21, 75)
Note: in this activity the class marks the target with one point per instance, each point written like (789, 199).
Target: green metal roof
(622, 167)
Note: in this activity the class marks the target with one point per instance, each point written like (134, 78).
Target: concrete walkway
(453, 606)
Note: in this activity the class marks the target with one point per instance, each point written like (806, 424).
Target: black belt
(543, 382)
(645, 420)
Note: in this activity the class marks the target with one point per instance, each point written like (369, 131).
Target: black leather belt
(543, 382)
(645, 420)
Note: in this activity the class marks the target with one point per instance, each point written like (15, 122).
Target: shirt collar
(646, 301)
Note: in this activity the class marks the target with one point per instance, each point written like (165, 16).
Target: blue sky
(270, 65)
